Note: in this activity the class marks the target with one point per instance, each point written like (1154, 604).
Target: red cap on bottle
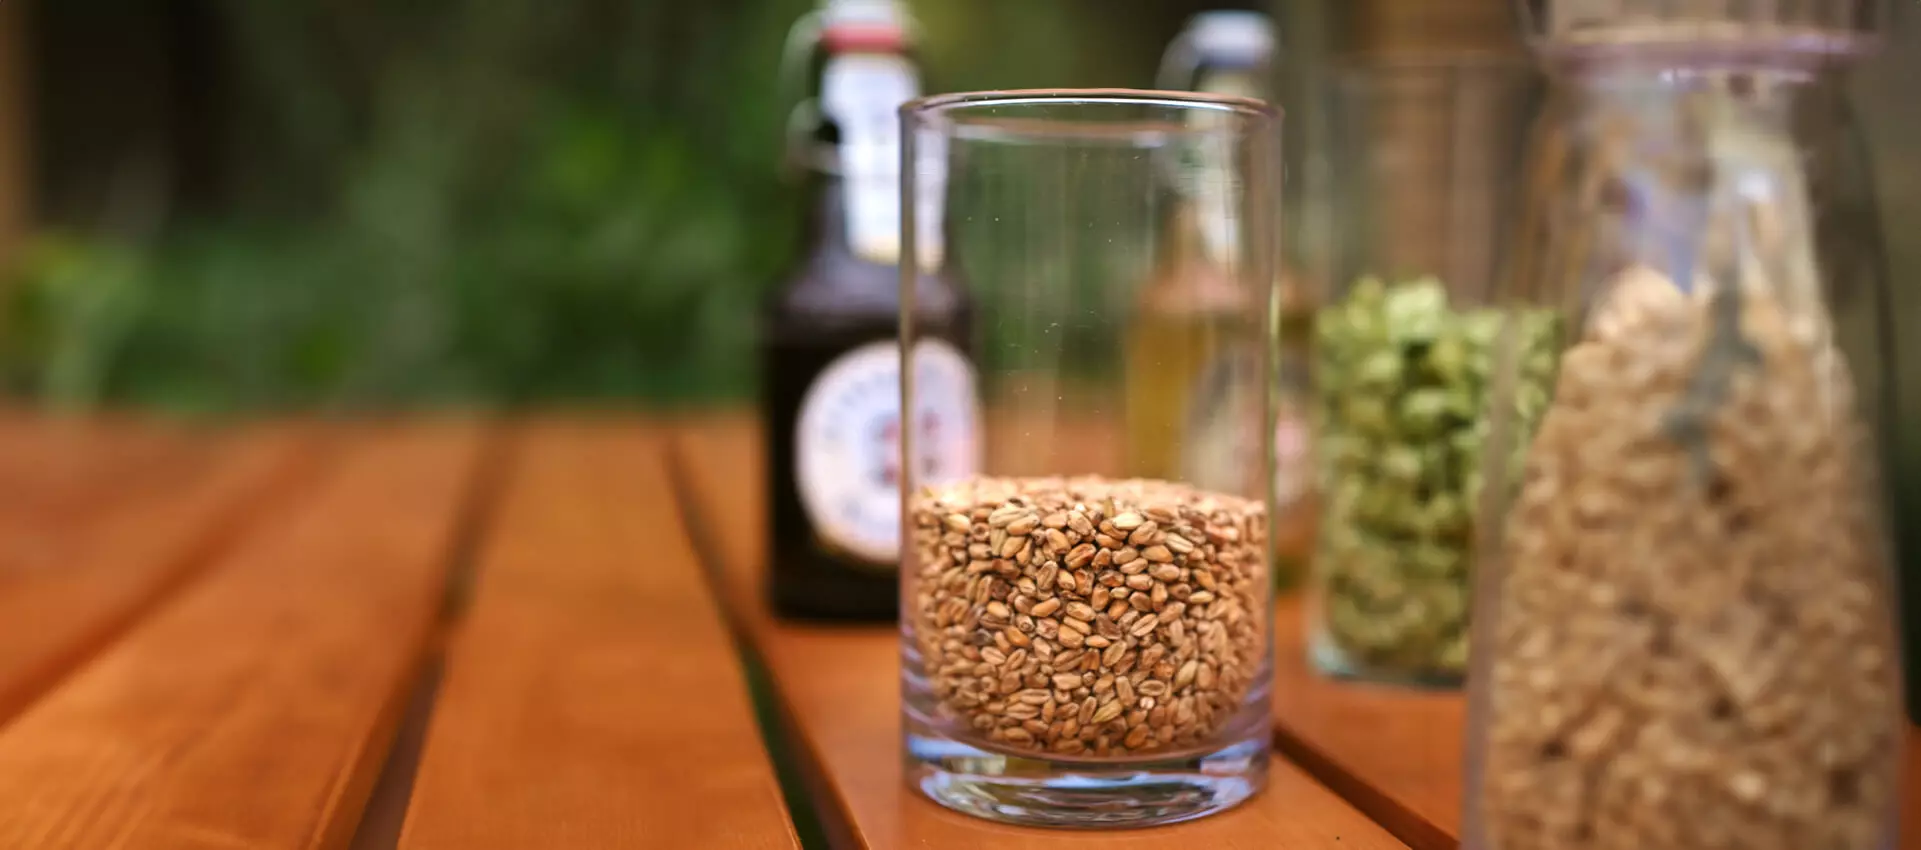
(849, 26)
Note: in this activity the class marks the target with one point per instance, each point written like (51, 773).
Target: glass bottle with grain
(1685, 621)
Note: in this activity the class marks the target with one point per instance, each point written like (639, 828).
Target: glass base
(1331, 660)
(1081, 793)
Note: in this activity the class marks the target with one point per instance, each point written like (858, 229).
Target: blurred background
(236, 208)
(215, 206)
(220, 205)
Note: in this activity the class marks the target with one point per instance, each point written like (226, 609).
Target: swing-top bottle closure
(1222, 37)
(1218, 52)
(866, 75)
(837, 27)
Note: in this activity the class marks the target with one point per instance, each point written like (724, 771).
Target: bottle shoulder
(833, 285)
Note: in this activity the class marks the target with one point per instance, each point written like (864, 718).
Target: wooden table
(456, 635)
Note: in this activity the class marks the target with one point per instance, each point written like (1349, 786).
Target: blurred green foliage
(479, 202)
(463, 201)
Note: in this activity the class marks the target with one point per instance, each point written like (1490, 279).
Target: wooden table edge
(1403, 822)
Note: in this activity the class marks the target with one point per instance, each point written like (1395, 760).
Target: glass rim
(946, 101)
(941, 109)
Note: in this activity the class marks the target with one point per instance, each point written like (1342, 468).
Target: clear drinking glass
(1086, 626)
(1423, 187)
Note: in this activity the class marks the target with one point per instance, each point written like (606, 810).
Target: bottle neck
(857, 179)
(1242, 79)
(1653, 68)
(1760, 97)
(827, 218)
(1697, 172)
(1188, 277)
(1181, 238)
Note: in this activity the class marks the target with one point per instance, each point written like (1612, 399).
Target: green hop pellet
(1402, 385)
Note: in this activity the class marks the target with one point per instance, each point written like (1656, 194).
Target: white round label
(848, 442)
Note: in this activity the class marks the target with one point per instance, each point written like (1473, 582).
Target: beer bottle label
(848, 442)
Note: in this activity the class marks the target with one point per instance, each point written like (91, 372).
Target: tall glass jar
(1685, 631)
(1084, 644)
(1402, 357)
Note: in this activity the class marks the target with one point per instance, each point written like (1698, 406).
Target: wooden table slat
(66, 587)
(60, 469)
(840, 688)
(252, 711)
(1394, 752)
(593, 697)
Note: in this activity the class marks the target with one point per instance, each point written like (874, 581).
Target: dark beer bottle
(830, 343)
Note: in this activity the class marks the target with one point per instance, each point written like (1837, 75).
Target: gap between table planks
(68, 585)
(593, 697)
(840, 688)
(253, 709)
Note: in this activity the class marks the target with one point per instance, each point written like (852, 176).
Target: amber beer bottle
(830, 342)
